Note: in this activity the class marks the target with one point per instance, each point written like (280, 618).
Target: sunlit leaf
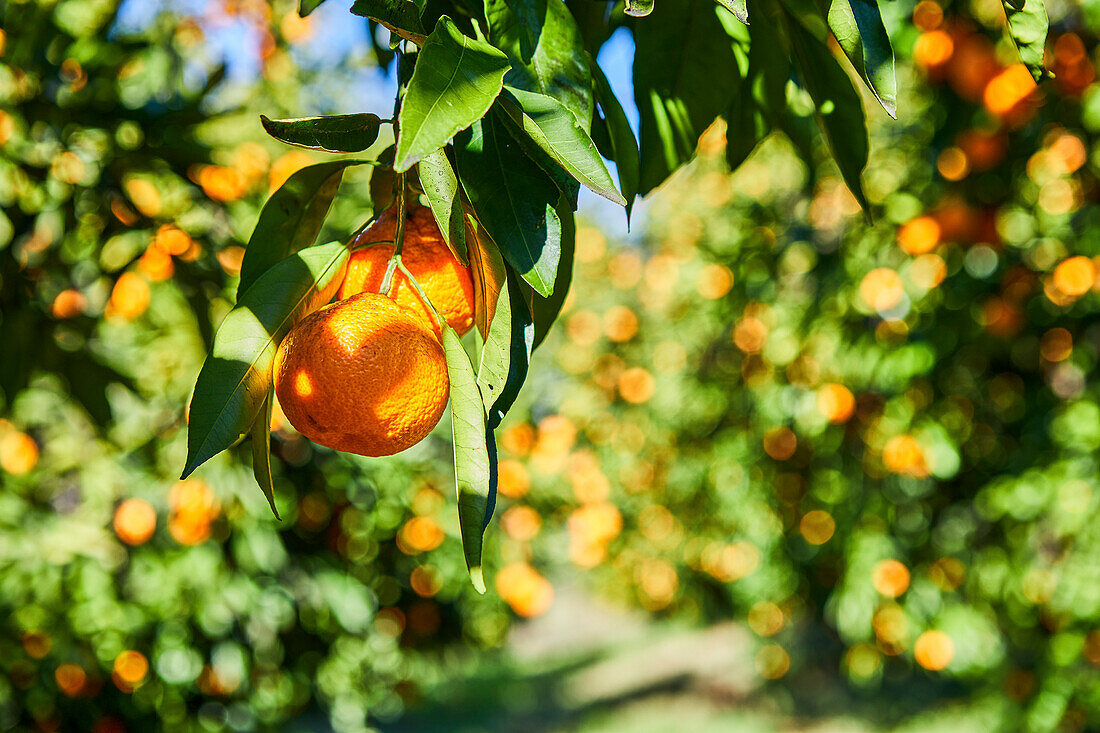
(738, 8)
(468, 430)
(291, 218)
(488, 273)
(1027, 24)
(556, 131)
(858, 28)
(453, 85)
(444, 194)
(546, 49)
(236, 377)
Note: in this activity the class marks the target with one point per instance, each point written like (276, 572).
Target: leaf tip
(477, 577)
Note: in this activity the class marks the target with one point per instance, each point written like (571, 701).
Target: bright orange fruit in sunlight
(890, 578)
(522, 588)
(130, 296)
(135, 521)
(445, 280)
(363, 375)
(836, 402)
(1075, 276)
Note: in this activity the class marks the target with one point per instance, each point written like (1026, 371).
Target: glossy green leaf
(639, 8)
(236, 376)
(557, 64)
(506, 353)
(472, 469)
(455, 82)
(444, 194)
(838, 108)
(335, 134)
(1028, 24)
(401, 17)
(488, 273)
(291, 218)
(687, 80)
(858, 27)
(739, 9)
(556, 131)
(513, 199)
(261, 451)
(624, 146)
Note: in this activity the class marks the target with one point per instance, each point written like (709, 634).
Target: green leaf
(1028, 24)
(546, 49)
(488, 272)
(305, 7)
(556, 131)
(738, 8)
(291, 218)
(858, 27)
(236, 376)
(453, 85)
(687, 80)
(441, 187)
(335, 134)
(624, 146)
(472, 468)
(838, 109)
(545, 311)
(506, 353)
(639, 8)
(514, 199)
(261, 451)
(398, 16)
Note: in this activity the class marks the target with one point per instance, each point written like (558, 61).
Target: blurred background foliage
(776, 468)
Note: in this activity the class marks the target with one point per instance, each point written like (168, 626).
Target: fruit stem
(420, 291)
(398, 237)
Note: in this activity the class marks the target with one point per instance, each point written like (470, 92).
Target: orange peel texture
(363, 375)
(445, 280)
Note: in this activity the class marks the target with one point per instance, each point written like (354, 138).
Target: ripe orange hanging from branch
(363, 375)
(445, 280)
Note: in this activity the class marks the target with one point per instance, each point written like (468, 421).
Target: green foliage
(335, 134)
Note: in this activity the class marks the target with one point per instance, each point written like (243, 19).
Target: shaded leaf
(291, 218)
(453, 85)
(506, 353)
(687, 81)
(858, 27)
(468, 430)
(441, 187)
(556, 131)
(1028, 25)
(401, 17)
(624, 146)
(236, 376)
(488, 272)
(335, 134)
(558, 65)
(261, 451)
(513, 199)
(544, 311)
(838, 109)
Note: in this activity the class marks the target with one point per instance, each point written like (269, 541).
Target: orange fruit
(445, 280)
(135, 521)
(363, 375)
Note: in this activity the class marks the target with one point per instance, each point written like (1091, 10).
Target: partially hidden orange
(363, 375)
(445, 280)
